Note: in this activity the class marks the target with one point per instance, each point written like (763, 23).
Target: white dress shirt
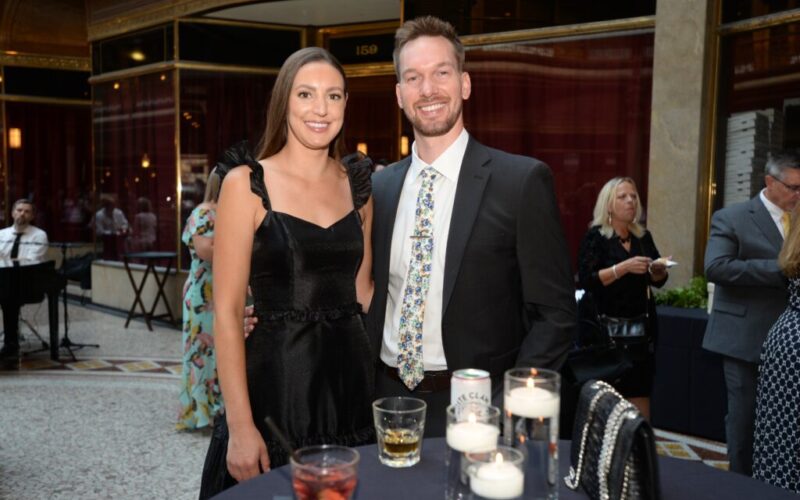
(32, 245)
(774, 210)
(448, 164)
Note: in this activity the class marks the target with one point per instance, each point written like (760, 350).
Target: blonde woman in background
(200, 397)
(776, 445)
(617, 263)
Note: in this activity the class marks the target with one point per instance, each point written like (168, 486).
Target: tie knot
(429, 172)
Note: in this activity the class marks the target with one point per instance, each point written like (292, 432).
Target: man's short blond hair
(426, 26)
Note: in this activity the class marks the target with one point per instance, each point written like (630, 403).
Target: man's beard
(435, 129)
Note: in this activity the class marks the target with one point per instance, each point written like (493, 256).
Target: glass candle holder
(498, 474)
(471, 427)
(532, 399)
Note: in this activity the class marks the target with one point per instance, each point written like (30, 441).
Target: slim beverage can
(470, 385)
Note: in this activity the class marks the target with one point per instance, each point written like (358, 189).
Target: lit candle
(497, 479)
(472, 436)
(532, 402)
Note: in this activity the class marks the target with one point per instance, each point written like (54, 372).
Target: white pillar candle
(497, 480)
(532, 402)
(475, 437)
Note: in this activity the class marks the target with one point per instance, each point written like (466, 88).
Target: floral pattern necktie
(412, 313)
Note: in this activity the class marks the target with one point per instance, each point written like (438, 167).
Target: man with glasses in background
(751, 292)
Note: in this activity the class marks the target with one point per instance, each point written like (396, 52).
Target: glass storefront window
(217, 110)
(759, 107)
(581, 106)
(49, 163)
(135, 167)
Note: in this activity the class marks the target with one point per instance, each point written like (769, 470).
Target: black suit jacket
(508, 288)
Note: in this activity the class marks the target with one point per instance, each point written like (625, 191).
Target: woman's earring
(609, 219)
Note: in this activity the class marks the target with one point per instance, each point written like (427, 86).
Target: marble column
(677, 178)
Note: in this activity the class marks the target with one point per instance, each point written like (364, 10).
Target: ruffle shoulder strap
(359, 169)
(240, 154)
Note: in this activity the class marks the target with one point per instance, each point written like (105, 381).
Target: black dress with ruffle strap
(308, 360)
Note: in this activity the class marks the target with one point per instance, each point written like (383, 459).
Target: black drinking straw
(279, 435)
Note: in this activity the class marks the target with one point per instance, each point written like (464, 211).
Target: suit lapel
(386, 217)
(472, 180)
(765, 224)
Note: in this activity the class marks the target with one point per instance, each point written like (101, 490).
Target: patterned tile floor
(138, 356)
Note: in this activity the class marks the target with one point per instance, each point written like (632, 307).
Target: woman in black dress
(776, 444)
(617, 263)
(295, 227)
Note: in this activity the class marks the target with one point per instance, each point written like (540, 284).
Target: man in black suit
(470, 263)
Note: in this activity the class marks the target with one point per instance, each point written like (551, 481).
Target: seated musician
(20, 244)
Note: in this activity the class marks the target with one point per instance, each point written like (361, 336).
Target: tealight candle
(472, 436)
(497, 480)
(532, 402)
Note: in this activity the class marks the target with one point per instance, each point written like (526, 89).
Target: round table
(680, 480)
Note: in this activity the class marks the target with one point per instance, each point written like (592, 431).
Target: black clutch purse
(613, 451)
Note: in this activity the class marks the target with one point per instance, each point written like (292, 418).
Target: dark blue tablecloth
(680, 479)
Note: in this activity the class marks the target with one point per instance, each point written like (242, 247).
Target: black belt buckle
(432, 381)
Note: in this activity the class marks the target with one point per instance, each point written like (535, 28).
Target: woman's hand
(247, 454)
(250, 320)
(658, 268)
(635, 265)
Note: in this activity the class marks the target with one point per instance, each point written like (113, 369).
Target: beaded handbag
(613, 448)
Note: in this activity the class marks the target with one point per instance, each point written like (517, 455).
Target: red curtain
(52, 166)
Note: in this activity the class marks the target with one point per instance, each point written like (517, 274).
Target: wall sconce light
(14, 138)
(145, 161)
(362, 147)
(163, 77)
(404, 145)
(116, 85)
(137, 55)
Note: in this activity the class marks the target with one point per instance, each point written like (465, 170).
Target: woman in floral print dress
(200, 397)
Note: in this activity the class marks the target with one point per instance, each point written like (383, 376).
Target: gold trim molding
(757, 23)
(360, 29)
(633, 23)
(158, 13)
(45, 100)
(131, 72)
(352, 30)
(171, 65)
(228, 68)
(13, 58)
(242, 24)
(706, 185)
(368, 69)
